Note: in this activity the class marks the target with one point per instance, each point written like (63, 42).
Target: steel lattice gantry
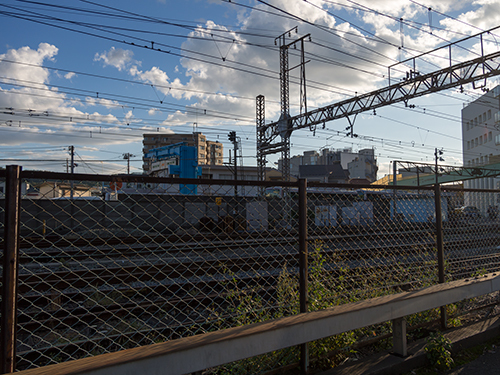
(260, 117)
(445, 173)
(415, 85)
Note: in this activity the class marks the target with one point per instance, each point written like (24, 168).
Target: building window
(468, 145)
(489, 114)
(490, 136)
(475, 121)
(484, 116)
(475, 142)
(480, 118)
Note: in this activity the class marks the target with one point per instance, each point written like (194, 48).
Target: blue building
(177, 160)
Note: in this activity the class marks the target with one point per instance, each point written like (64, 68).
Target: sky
(98, 75)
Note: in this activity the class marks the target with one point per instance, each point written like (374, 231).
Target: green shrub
(438, 349)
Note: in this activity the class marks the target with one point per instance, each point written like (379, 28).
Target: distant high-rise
(358, 165)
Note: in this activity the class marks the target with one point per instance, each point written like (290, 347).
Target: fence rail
(114, 262)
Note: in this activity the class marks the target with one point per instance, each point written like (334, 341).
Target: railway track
(59, 286)
(44, 250)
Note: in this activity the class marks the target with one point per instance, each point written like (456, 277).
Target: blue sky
(97, 75)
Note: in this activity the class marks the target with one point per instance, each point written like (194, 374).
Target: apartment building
(208, 152)
(358, 165)
(481, 143)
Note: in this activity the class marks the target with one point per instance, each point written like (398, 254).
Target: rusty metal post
(8, 324)
(303, 274)
(440, 246)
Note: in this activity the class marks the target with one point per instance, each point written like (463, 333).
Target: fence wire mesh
(371, 242)
(471, 236)
(106, 267)
(102, 270)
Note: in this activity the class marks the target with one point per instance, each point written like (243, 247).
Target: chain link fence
(471, 238)
(109, 263)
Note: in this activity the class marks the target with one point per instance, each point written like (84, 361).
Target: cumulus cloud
(117, 57)
(17, 65)
(153, 111)
(223, 70)
(484, 17)
(24, 65)
(346, 59)
(89, 101)
(40, 111)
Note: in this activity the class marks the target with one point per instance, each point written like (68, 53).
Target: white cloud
(153, 111)
(101, 101)
(26, 57)
(483, 17)
(117, 57)
(25, 66)
(344, 60)
(41, 114)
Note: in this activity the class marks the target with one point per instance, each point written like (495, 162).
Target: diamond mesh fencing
(111, 263)
(368, 243)
(471, 236)
(365, 243)
(105, 267)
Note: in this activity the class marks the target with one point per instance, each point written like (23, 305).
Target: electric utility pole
(232, 137)
(72, 166)
(127, 157)
(439, 232)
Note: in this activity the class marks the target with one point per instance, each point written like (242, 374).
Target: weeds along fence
(95, 264)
